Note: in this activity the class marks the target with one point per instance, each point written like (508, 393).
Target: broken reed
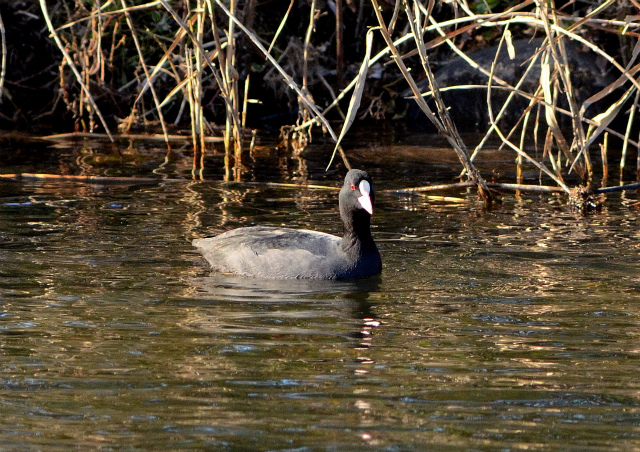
(200, 56)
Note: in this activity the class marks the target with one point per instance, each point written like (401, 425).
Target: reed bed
(156, 65)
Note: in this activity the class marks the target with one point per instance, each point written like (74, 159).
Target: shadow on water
(220, 286)
(282, 299)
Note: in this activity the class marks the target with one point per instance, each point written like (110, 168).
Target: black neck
(357, 233)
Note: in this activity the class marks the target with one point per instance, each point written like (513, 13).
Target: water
(508, 329)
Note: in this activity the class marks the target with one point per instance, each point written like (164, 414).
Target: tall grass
(197, 57)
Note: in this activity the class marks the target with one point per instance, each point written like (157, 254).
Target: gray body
(283, 253)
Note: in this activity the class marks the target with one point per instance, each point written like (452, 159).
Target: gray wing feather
(264, 251)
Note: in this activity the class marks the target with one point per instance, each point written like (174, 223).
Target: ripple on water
(513, 328)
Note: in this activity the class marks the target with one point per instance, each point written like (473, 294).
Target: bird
(285, 253)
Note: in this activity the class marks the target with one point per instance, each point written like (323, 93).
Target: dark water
(514, 328)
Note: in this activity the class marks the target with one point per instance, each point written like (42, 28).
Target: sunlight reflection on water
(505, 329)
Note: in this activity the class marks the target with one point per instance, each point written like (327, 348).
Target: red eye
(353, 187)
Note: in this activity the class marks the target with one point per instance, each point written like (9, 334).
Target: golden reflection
(494, 321)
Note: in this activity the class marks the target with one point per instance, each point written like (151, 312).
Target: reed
(3, 64)
(150, 62)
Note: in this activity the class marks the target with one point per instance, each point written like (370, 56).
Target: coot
(283, 253)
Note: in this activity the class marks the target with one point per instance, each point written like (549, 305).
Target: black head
(356, 197)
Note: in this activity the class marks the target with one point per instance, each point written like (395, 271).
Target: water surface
(514, 328)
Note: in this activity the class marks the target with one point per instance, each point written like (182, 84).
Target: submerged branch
(85, 179)
(491, 185)
(127, 136)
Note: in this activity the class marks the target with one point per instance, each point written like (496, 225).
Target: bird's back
(276, 253)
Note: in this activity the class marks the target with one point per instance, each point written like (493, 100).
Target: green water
(508, 329)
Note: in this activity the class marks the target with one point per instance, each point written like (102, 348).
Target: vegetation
(224, 67)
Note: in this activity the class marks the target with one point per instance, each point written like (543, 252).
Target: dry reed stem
(74, 69)
(443, 122)
(510, 97)
(198, 87)
(638, 159)
(627, 134)
(245, 102)
(307, 43)
(167, 58)
(469, 184)
(329, 88)
(223, 79)
(191, 99)
(339, 43)
(394, 18)
(604, 149)
(134, 35)
(3, 69)
(556, 25)
(630, 71)
(557, 179)
(588, 44)
(233, 129)
(356, 98)
(562, 67)
(617, 188)
(533, 100)
(102, 180)
(561, 61)
(197, 68)
(280, 27)
(287, 78)
(102, 13)
(547, 79)
(580, 145)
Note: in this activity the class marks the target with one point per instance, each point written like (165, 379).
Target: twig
(100, 12)
(429, 188)
(618, 188)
